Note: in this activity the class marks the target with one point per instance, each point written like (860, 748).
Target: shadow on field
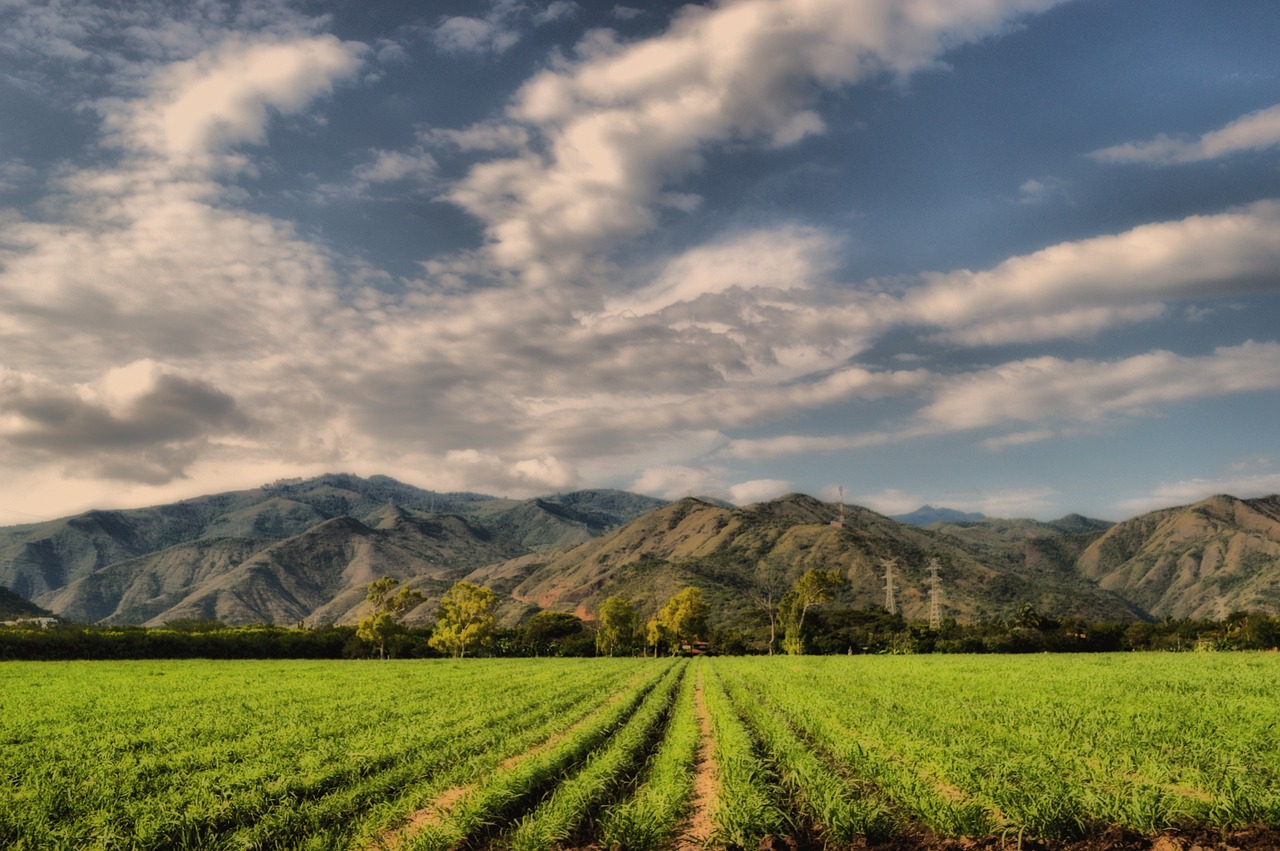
(1115, 839)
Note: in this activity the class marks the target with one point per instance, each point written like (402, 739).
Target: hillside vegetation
(305, 551)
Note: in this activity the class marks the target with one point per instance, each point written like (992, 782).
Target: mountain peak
(927, 515)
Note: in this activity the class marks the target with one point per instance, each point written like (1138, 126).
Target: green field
(632, 753)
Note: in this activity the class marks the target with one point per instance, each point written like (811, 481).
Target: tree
(816, 586)
(619, 627)
(767, 589)
(556, 634)
(655, 635)
(464, 620)
(383, 622)
(684, 617)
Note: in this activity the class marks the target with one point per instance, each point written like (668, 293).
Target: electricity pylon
(890, 599)
(935, 596)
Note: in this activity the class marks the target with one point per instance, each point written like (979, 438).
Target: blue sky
(1010, 256)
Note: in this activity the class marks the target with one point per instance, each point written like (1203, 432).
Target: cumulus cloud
(142, 422)
(623, 122)
(758, 490)
(677, 482)
(1253, 132)
(779, 259)
(523, 476)
(143, 258)
(1054, 395)
(1048, 389)
(1079, 288)
(199, 110)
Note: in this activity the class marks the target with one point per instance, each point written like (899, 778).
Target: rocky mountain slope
(1204, 560)
(725, 549)
(284, 553)
(304, 551)
(13, 607)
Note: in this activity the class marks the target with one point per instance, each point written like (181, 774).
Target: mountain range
(304, 551)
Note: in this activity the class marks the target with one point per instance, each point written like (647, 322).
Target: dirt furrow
(697, 830)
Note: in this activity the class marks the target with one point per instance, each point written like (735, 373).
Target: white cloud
(1048, 389)
(555, 10)
(677, 482)
(1238, 483)
(474, 35)
(624, 122)
(15, 173)
(1057, 396)
(781, 259)
(522, 476)
(486, 136)
(759, 490)
(1020, 438)
(1033, 191)
(199, 110)
(1080, 288)
(1253, 132)
(395, 166)
(761, 448)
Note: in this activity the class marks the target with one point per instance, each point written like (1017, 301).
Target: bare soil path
(697, 830)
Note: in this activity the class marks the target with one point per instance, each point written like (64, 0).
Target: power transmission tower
(839, 524)
(890, 599)
(935, 596)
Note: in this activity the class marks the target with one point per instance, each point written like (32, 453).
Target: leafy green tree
(684, 617)
(816, 586)
(619, 627)
(383, 622)
(555, 634)
(656, 635)
(465, 619)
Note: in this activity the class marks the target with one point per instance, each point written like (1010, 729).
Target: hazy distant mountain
(927, 515)
(1204, 560)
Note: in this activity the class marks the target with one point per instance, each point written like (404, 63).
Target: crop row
(631, 754)
(258, 755)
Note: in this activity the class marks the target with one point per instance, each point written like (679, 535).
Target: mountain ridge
(303, 551)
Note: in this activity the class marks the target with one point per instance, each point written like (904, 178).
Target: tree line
(784, 618)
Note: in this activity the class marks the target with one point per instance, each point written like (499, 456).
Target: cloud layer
(160, 320)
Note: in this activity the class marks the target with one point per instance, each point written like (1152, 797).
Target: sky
(1019, 257)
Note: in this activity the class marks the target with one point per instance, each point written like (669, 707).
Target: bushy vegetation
(830, 631)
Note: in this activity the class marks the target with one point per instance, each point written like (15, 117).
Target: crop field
(829, 752)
